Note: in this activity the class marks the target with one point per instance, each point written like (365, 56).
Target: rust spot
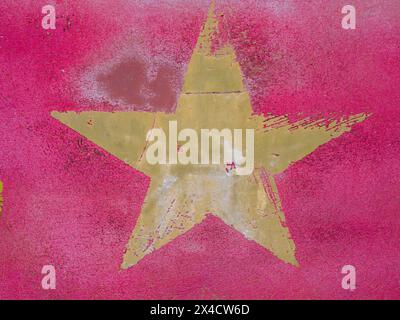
(164, 97)
(126, 81)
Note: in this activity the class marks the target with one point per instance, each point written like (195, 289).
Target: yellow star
(181, 196)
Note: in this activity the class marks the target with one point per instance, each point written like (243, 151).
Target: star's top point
(212, 70)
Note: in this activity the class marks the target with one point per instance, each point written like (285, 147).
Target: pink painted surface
(70, 204)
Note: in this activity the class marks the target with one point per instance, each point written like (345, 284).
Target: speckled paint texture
(70, 204)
